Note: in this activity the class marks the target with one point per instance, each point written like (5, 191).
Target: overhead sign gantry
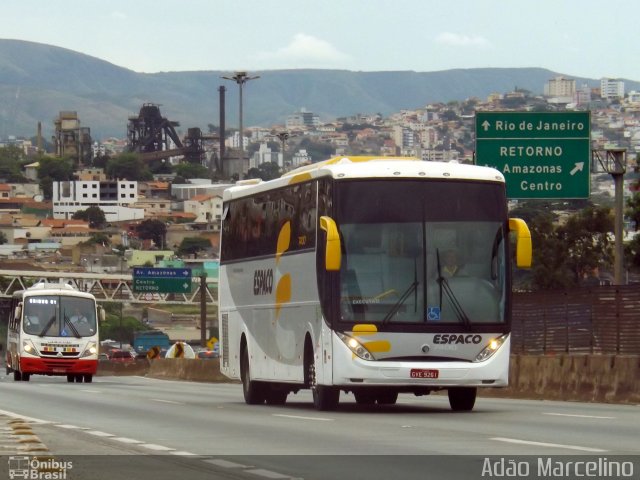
(543, 155)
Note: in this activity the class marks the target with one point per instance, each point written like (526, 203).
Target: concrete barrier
(584, 378)
(191, 369)
(139, 367)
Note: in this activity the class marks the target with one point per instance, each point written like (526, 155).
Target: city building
(560, 87)
(115, 198)
(611, 88)
(302, 119)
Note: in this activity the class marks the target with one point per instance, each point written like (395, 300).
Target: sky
(584, 38)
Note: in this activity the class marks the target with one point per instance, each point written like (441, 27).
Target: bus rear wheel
(17, 376)
(462, 399)
(254, 392)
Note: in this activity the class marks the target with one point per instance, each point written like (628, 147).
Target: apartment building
(115, 198)
(611, 88)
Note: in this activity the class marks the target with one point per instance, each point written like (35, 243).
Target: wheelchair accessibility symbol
(433, 314)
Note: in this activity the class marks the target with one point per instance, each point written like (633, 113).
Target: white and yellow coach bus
(374, 276)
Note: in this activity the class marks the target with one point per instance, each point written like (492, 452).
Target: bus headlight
(491, 348)
(28, 347)
(355, 346)
(91, 349)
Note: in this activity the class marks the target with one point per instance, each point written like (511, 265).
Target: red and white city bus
(53, 330)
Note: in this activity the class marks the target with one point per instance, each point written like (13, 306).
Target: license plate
(423, 373)
(59, 370)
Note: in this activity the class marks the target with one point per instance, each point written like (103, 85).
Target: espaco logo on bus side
(263, 282)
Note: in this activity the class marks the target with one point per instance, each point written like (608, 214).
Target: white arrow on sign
(486, 125)
(186, 272)
(578, 168)
(185, 285)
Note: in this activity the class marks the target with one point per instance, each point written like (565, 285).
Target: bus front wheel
(253, 391)
(324, 397)
(17, 376)
(462, 399)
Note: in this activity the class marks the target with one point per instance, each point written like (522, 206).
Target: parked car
(207, 354)
(121, 356)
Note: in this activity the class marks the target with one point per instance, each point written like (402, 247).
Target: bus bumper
(352, 371)
(54, 366)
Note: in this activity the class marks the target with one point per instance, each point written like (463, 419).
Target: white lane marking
(126, 440)
(98, 433)
(267, 473)
(550, 445)
(69, 427)
(23, 417)
(577, 416)
(226, 464)
(158, 448)
(166, 401)
(297, 417)
(184, 454)
(90, 391)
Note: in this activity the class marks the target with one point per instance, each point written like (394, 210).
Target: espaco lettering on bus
(263, 282)
(448, 339)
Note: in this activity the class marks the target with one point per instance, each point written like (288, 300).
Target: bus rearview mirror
(523, 242)
(333, 255)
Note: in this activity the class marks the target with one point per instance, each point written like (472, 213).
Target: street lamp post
(241, 78)
(283, 136)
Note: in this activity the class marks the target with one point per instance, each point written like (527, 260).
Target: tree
(633, 209)
(153, 230)
(193, 245)
(128, 166)
(12, 159)
(587, 236)
(191, 170)
(632, 252)
(51, 170)
(94, 215)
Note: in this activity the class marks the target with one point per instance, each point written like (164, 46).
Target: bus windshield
(422, 252)
(59, 316)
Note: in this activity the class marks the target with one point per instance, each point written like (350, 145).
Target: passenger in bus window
(450, 264)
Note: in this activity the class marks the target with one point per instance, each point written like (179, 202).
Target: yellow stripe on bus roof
(338, 160)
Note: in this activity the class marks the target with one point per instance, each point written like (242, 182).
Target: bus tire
(71, 378)
(254, 392)
(325, 398)
(462, 399)
(26, 377)
(88, 378)
(78, 378)
(17, 376)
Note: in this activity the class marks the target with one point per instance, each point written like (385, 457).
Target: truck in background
(144, 341)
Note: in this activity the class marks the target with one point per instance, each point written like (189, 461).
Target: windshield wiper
(446, 288)
(412, 288)
(47, 326)
(72, 327)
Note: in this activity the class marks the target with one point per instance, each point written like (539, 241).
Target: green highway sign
(542, 155)
(161, 280)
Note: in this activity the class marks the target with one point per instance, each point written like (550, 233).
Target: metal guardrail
(106, 287)
(586, 320)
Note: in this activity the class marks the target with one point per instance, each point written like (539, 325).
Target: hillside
(37, 81)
